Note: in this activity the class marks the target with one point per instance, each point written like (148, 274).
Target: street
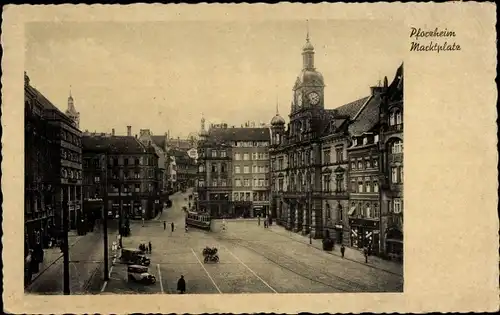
(86, 266)
(252, 260)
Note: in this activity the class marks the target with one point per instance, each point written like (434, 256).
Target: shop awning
(351, 211)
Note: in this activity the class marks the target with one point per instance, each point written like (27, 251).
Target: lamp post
(65, 245)
(104, 179)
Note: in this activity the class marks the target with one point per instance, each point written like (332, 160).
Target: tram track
(299, 268)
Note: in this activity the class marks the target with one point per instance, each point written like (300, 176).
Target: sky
(164, 76)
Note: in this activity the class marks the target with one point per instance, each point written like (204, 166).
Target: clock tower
(308, 91)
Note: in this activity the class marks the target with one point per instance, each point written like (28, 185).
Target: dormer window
(365, 140)
(355, 142)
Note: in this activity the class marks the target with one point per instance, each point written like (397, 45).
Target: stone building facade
(233, 170)
(327, 178)
(53, 173)
(132, 175)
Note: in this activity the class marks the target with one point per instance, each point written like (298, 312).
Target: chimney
(129, 131)
(113, 132)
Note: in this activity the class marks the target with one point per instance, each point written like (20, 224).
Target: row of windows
(395, 118)
(339, 155)
(71, 156)
(255, 156)
(365, 186)
(251, 144)
(221, 154)
(369, 139)
(71, 138)
(70, 173)
(257, 182)
(255, 169)
(248, 196)
(131, 188)
(339, 183)
(365, 210)
(367, 163)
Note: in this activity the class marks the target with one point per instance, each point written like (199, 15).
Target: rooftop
(239, 134)
(114, 144)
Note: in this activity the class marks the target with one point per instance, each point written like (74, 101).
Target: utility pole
(65, 209)
(104, 180)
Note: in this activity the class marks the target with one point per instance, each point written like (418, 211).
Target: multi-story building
(391, 149)
(159, 143)
(364, 206)
(250, 168)
(233, 170)
(53, 170)
(325, 163)
(213, 174)
(132, 175)
(185, 169)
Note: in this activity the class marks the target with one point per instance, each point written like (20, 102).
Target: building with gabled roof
(326, 180)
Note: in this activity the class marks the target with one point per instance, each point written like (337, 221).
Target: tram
(198, 220)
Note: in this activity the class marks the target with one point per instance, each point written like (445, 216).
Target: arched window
(201, 168)
(328, 214)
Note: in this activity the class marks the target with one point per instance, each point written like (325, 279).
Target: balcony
(395, 128)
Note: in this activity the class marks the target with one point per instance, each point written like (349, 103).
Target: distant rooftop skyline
(163, 75)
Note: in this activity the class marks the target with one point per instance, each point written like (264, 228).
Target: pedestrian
(181, 285)
(365, 252)
(164, 225)
(342, 250)
(150, 247)
(172, 225)
(258, 220)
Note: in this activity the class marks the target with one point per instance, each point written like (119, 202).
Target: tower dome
(277, 120)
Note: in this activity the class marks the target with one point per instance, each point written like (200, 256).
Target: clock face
(313, 98)
(299, 99)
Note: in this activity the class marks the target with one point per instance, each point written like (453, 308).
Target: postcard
(237, 158)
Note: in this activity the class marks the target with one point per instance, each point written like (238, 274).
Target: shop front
(394, 243)
(365, 233)
(241, 209)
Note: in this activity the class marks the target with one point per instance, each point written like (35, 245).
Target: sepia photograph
(249, 158)
(262, 157)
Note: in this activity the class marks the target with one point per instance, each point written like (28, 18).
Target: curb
(331, 253)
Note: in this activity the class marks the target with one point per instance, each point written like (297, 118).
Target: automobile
(140, 274)
(132, 256)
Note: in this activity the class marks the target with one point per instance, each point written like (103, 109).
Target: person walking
(342, 250)
(150, 247)
(258, 220)
(164, 225)
(172, 226)
(365, 252)
(181, 285)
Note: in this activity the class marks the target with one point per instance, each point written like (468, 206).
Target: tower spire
(307, 26)
(277, 105)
